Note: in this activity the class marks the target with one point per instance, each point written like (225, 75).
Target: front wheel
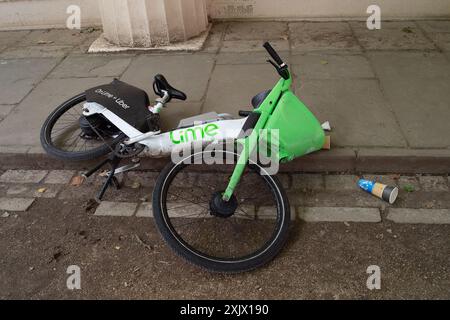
(235, 236)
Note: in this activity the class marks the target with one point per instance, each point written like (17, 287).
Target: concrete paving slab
(19, 76)
(18, 189)
(188, 210)
(36, 52)
(186, 72)
(257, 31)
(233, 86)
(326, 66)
(116, 209)
(248, 211)
(59, 176)
(91, 66)
(410, 89)
(428, 216)
(8, 38)
(248, 57)
(270, 213)
(336, 214)
(252, 45)
(145, 210)
(57, 37)
(395, 35)
(46, 191)
(396, 66)
(312, 36)
(356, 110)
(5, 109)
(15, 204)
(33, 111)
(418, 96)
(23, 176)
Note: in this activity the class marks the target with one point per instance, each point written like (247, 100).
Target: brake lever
(273, 64)
(282, 70)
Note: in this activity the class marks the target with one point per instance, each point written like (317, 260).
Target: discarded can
(382, 191)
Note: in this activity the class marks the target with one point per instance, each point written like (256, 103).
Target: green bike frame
(300, 132)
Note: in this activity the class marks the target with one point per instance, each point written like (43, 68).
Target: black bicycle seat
(161, 84)
(259, 98)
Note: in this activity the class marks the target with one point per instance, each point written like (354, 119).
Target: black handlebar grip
(273, 53)
(244, 113)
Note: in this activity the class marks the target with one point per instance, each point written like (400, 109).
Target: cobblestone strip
(59, 176)
(21, 187)
(23, 176)
(116, 209)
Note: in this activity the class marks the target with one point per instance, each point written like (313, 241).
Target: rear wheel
(67, 134)
(235, 236)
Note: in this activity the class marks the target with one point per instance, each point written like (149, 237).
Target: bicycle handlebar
(279, 65)
(273, 53)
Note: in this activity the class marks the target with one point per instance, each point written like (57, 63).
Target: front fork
(249, 144)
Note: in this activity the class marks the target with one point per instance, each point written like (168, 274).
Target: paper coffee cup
(382, 191)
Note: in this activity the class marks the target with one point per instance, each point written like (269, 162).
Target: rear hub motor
(91, 125)
(87, 126)
(221, 208)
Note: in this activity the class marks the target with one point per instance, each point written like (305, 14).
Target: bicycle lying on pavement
(231, 217)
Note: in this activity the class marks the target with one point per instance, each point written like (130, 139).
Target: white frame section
(162, 144)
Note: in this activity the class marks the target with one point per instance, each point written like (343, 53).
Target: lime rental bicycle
(228, 216)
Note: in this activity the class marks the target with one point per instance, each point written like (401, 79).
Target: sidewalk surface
(386, 92)
(47, 224)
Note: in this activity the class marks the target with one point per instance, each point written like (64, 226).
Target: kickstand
(114, 161)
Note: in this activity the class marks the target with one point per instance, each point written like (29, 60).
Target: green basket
(300, 132)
